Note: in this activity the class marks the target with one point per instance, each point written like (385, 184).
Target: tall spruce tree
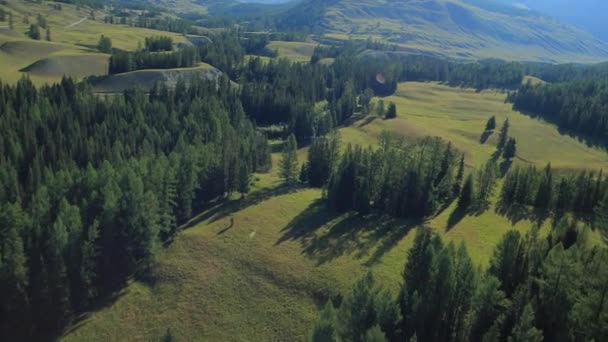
(491, 124)
(510, 149)
(289, 160)
(503, 137)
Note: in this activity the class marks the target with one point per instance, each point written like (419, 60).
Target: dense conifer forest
(90, 188)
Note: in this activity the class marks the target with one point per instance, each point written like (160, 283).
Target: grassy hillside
(146, 79)
(72, 50)
(457, 28)
(264, 277)
(460, 115)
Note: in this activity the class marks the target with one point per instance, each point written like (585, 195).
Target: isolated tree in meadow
(491, 124)
(41, 20)
(504, 135)
(105, 44)
(11, 22)
(391, 113)
(34, 32)
(48, 33)
(510, 149)
(289, 161)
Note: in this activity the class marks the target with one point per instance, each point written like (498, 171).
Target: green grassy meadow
(265, 277)
(72, 50)
(294, 51)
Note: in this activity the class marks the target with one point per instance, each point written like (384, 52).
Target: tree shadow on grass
(80, 320)
(325, 235)
(517, 213)
(455, 217)
(221, 208)
(485, 136)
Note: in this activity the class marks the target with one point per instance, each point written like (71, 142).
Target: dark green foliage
(485, 179)
(503, 137)
(130, 61)
(34, 32)
(510, 149)
(532, 290)
(323, 155)
(467, 194)
(524, 330)
(577, 107)
(159, 43)
(579, 193)
(11, 22)
(105, 182)
(403, 180)
(391, 112)
(491, 124)
(41, 21)
(48, 33)
(325, 329)
(289, 160)
(105, 44)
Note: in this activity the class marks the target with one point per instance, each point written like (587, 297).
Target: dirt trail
(76, 23)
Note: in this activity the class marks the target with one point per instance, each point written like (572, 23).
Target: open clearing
(264, 278)
(295, 51)
(460, 115)
(73, 44)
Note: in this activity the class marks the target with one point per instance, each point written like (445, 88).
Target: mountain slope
(457, 28)
(584, 14)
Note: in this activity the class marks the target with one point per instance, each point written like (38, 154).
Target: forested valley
(93, 187)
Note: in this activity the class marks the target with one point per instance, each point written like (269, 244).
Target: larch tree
(289, 160)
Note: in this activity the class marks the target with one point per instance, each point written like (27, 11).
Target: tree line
(577, 107)
(533, 289)
(90, 188)
(581, 193)
(159, 43)
(122, 61)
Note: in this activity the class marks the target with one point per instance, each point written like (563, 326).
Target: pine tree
(459, 177)
(374, 334)
(544, 194)
(391, 113)
(510, 149)
(504, 135)
(11, 22)
(48, 33)
(524, 330)
(380, 110)
(105, 44)
(243, 179)
(325, 329)
(601, 214)
(289, 161)
(34, 32)
(491, 124)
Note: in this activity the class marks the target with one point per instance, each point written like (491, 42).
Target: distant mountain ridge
(458, 28)
(590, 15)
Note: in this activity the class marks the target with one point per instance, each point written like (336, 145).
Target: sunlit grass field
(295, 51)
(73, 47)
